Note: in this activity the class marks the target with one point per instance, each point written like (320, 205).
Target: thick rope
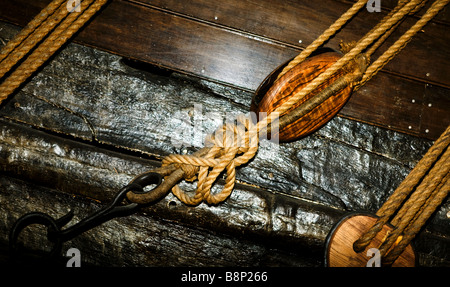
(233, 145)
(27, 39)
(410, 209)
(69, 26)
(402, 41)
(397, 198)
(359, 47)
(31, 27)
(427, 210)
(325, 36)
(223, 155)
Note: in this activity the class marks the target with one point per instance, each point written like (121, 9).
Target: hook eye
(146, 179)
(53, 230)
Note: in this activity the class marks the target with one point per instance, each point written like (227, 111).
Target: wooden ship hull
(145, 79)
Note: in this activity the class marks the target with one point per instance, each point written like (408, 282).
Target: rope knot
(232, 145)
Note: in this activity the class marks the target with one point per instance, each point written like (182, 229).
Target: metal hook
(57, 236)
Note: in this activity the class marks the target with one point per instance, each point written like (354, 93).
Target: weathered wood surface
(246, 230)
(288, 198)
(222, 42)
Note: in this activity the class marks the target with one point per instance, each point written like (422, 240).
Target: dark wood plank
(184, 45)
(291, 21)
(88, 94)
(297, 20)
(402, 105)
(442, 17)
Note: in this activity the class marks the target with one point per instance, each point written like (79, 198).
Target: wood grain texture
(292, 82)
(305, 20)
(340, 253)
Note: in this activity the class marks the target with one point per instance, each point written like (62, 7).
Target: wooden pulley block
(339, 244)
(272, 93)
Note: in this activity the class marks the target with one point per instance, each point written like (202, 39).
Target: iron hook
(57, 235)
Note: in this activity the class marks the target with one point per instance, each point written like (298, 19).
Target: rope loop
(232, 145)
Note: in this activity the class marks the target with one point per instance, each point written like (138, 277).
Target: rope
(222, 157)
(234, 144)
(325, 36)
(404, 189)
(68, 26)
(29, 29)
(402, 41)
(33, 34)
(430, 180)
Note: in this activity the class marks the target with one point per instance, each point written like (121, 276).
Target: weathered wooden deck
(91, 120)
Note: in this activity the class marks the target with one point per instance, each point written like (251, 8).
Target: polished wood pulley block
(339, 244)
(272, 93)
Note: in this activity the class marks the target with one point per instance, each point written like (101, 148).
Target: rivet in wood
(427, 131)
(430, 104)
(409, 127)
(427, 74)
(413, 101)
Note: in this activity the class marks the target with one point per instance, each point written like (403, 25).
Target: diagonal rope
(59, 36)
(325, 36)
(435, 164)
(31, 28)
(225, 156)
(402, 41)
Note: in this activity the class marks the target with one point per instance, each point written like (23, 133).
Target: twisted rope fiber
(417, 200)
(403, 40)
(206, 180)
(228, 141)
(397, 198)
(232, 145)
(427, 210)
(27, 39)
(54, 41)
(429, 183)
(223, 153)
(29, 29)
(324, 36)
(381, 61)
(359, 47)
(339, 23)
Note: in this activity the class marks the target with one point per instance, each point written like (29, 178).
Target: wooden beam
(240, 49)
